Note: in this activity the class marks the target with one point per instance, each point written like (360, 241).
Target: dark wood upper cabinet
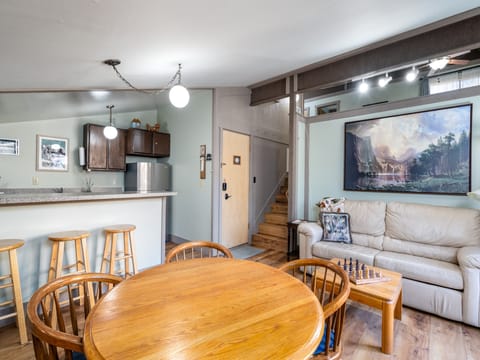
(148, 143)
(101, 153)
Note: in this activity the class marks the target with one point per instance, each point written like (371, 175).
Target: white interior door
(235, 188)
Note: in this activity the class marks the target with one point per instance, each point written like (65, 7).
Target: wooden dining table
(213, 308)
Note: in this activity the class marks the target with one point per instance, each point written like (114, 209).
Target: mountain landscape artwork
(422, 152)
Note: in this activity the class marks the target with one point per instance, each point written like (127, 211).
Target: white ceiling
(58, 44)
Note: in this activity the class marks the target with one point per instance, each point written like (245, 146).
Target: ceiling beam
(460, 35)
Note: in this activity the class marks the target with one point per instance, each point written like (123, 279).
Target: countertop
(60, 197)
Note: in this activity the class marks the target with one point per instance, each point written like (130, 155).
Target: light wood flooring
(418, 336)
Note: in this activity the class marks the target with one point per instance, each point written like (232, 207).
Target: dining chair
(330, 284)
(197, 249)
(57, 312)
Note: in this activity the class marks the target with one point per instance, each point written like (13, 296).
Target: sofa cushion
(443, 253)
(422, 269)
(375, 242)
(366, 217)
(434, 225)
(329, 250)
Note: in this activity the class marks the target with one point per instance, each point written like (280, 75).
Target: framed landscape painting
(425, 152)
(52, 153)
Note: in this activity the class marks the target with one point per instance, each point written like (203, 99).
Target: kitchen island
(33, 216)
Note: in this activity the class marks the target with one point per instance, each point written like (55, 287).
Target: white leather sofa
(435, 248)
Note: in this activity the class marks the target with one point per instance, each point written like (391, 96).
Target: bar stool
(59, 239)
(11, 246)
(110, 254)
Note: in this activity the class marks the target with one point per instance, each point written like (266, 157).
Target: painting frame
(422, 152)
(9, 147)
(52, 153)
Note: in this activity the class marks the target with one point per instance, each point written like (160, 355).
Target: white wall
(17, 171)
(190, 127)
(326, 151)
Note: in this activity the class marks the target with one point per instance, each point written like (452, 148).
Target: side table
(292, 250)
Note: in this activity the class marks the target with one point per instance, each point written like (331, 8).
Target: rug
(245, 251)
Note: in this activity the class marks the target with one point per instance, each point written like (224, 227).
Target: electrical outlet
(35, 180)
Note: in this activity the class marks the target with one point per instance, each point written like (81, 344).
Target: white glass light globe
(179, 96)
(110, 132)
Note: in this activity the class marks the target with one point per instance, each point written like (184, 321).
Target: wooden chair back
(197, 249)
(57, 312)
(331, 285)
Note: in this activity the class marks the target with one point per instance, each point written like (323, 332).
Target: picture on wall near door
(52, 153)
(426, 152)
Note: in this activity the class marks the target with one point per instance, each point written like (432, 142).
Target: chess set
(360, 273)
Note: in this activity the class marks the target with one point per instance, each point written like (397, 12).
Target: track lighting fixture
(363, 87)
(178, 95)
(412, 74)
(383, 81)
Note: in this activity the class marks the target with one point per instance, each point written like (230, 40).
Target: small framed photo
(9, 146)
(236, 160)
(52, 153)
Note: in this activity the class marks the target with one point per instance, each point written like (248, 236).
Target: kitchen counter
(32, 215)
(61, 197)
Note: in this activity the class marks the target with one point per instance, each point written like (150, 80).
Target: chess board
(360, 273)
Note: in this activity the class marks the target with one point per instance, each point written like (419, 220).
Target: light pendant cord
(114, 63)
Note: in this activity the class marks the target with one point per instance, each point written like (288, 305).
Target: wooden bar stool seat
(12, 280)
(111, 255)
(82, 264)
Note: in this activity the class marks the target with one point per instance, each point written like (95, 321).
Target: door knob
(227, 196)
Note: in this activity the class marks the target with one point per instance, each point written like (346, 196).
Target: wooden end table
(385, 296)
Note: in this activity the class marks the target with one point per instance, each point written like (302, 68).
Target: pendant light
(110, 131)
(178, 94)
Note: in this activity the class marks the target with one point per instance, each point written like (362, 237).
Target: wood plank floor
(418, 336)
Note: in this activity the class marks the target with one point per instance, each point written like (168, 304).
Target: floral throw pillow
(336, 227)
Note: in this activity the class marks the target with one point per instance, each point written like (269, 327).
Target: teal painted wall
(190, 127)
(17, 171)
(326, 156)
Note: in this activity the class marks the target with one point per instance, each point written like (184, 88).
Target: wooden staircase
(272, 233)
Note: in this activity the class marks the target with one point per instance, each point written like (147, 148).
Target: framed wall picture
(52, 153)
(9, 146)
(425, 152)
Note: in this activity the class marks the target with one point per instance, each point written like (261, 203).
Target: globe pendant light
(110, 131)
(179, 96)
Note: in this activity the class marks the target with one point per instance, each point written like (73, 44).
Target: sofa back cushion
(431, 231)
(367, 222)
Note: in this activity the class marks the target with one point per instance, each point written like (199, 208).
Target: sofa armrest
(308, 234)
(469, 260)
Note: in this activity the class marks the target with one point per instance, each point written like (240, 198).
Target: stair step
(273, 230)
(280, 208)
(269, 242)
(283, 190)
(276, 218)
(281, 198)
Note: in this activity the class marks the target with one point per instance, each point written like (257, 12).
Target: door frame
(218, 187)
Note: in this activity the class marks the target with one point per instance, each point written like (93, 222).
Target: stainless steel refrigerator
(148, 176)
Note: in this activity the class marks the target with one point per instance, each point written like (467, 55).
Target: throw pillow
(336, 227)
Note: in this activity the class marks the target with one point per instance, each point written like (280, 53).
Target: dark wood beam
(269, 92)
(461, 35)
(443, 41)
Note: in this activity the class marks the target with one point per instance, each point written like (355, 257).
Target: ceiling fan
(440, 63)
